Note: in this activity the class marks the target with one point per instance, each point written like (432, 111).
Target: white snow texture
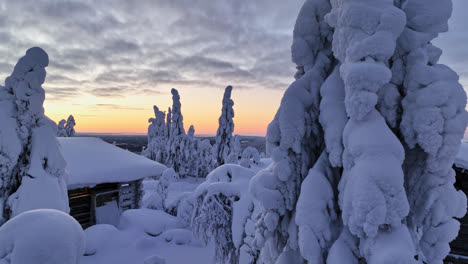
(32, 169)
(41, 236)
(364, 140)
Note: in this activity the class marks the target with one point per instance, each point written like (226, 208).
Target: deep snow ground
(149, 236)
(144, 236)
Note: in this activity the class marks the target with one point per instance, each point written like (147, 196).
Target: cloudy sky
(112, 60)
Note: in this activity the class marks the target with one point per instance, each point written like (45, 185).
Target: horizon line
(144, 134)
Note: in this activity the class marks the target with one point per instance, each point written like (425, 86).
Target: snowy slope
(91, 161)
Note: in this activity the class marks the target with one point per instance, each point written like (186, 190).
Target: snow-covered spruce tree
(61, 132)
(32, 169)
(294, 138)
(173, 145)
(70, 126)
(367, 135)
(179, 144)
(432, 124)
(157, 136)
(222, 146)
(205, 157)
(177, 124)
(235, 152)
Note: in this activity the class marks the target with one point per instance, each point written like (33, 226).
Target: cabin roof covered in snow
(91, 161)
(461, 160)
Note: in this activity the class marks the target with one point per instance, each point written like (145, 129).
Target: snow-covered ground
(151, 236)
(144, 236)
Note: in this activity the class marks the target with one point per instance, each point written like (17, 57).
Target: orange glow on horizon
(131, 114)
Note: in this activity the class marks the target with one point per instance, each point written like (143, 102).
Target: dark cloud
(150, 45)
(109, 92)
(56, 79)
(113, 48)
(60, 94)
(121, 46)
(66, 9)
(151, 92)
(197, 63)
(65, 67)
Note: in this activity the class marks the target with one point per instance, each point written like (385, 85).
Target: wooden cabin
(459, 247)
(103, 180)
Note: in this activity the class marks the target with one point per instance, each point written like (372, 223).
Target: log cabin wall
(81, 206)
(82, 201)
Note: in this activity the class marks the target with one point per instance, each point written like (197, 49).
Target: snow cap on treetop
(227, 92)
(35, 58)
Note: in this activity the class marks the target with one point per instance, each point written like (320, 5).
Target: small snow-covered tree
(61, 132)
(157, 197)
(222, 213)
(205, 157)
(157, 137)
(70, 126)
(364, 139)
(222, 146)
(191, 131)
(250, 157)
(235, 153)
(32, 169)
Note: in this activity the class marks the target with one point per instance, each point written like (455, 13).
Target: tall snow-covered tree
(364, 139)
(175, 147)
(177, 124)
(168, 143)
(433, 121)
(294, 138)
(169, 121)
(32, 169)
(70, 126)
(222, 147)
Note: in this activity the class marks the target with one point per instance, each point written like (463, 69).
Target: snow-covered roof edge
(92, 161)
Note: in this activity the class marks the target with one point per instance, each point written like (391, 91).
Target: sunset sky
(112, 60)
